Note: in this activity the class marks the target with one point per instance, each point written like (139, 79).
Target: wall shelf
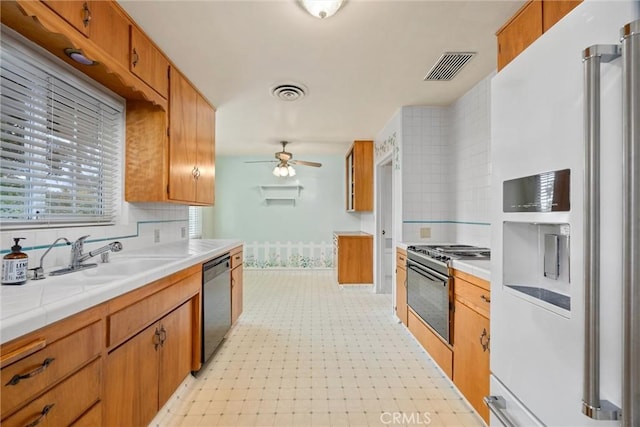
(287, 193)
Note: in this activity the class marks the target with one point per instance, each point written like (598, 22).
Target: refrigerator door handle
(630, 37)
(592, 405)
(497, 404)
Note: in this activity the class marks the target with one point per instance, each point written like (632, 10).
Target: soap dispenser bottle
(14, 265)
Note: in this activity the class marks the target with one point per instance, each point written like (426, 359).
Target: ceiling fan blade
(303, 162)
(260, 161)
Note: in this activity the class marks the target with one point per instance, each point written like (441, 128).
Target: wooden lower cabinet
(237, 284)
(401, 285)
(354, 257)
(143, 372)
(439, 351)
(472, 339)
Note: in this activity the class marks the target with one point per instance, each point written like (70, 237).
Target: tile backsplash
(135, 229)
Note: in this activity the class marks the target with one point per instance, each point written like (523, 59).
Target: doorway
(384, 227)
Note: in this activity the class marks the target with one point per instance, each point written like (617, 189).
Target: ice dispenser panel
(544, 192)
(536, 263)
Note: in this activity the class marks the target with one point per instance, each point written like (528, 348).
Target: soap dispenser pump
(14, 265)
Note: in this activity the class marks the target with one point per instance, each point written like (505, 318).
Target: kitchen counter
(25, 308)
(351, 233)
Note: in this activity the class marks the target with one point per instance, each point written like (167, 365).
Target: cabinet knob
(484, 340)
(86, 20)
(134, 57)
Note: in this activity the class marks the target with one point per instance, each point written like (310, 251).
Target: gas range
(447, 253)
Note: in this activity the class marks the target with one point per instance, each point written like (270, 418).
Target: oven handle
(425, 271)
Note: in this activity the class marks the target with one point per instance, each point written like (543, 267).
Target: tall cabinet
(359, 176)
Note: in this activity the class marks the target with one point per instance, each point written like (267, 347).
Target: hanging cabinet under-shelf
(359, 176)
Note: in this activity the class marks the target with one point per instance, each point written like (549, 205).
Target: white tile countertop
(37, 303)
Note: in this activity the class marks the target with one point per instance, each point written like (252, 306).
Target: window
(60, 142)
(195, 222)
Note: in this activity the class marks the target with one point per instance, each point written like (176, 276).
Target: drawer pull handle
(19, 377)
(486, 299)
(43, 414)
(484, 340)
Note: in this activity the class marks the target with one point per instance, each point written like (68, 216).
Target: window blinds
(60, 142)
(195, 222)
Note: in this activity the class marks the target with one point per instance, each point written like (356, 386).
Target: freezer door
(506, 410)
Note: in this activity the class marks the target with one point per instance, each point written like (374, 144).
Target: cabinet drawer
(473, 296)
(63, 404)
(401, 259)
(45, 367)
(91, 418)
(133, 318)
(236, 259)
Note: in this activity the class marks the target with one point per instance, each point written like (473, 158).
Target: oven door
(428, 296)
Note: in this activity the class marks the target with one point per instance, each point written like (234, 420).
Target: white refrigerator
(565, 153)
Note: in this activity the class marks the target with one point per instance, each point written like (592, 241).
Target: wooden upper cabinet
(148, 62)
(553, 11)
(529, 23)
(522, 30)
(359, 176)
(191, 144)
(101, 21)
(205, 134)
(76, 13)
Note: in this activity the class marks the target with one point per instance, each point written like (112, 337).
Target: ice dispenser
(536, 263)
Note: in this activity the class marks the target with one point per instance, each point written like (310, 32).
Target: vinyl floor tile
(306, 352)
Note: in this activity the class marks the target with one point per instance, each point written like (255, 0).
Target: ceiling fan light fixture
(322, 8)
(283, 169)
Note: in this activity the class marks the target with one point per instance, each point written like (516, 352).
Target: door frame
(380, 181)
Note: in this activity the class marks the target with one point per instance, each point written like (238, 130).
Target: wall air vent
(289, 91)
(448, 66)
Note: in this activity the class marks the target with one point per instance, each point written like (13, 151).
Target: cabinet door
(175, 354)
(401, 294)
(131, 381)
(76, 13)
(236, 293)
(206, 152)
(470, 357)
(109, 29)
(182, 138)
(520, 32)
(553, 11)
(148, 63)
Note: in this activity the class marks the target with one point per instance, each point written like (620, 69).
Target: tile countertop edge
(480, 269)
(194, 251)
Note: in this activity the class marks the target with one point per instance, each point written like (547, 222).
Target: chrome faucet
(38, 272)
(78, 257)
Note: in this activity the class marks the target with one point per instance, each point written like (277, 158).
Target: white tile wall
(446, 168)
(135, 229)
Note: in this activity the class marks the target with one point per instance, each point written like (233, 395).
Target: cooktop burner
(449, 252)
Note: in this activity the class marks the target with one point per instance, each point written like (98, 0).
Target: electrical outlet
(425, 232)
(183, 232)
(156, 235)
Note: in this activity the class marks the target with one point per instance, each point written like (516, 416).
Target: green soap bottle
(14, 265)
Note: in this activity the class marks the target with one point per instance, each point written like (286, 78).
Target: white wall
(280, 234)
(442, 167)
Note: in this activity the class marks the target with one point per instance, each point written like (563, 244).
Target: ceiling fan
(285, 160)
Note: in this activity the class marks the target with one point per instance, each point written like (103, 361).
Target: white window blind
(195, 222)
(60, 143)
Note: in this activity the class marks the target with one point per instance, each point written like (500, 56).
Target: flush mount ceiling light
(321, 8)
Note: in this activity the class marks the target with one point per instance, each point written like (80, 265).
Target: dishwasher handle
(220, 263)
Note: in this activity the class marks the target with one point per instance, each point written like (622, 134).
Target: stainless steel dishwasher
(216, 303)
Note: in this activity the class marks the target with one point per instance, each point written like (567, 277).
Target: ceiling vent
(289, 91)
(448, 66)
